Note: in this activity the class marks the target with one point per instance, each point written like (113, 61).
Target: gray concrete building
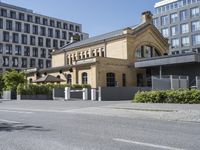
(27, 38)
(179, 21)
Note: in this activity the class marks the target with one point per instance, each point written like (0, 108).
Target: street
(86, 125)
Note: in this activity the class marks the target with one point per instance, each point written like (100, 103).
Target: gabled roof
(93, 39)
(48, 78)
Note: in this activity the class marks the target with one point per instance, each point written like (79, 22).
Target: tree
(1, 83)
(13, 78)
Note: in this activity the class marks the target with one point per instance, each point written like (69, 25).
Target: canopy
(48, 78)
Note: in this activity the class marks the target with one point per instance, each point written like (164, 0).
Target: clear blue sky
(96, 16)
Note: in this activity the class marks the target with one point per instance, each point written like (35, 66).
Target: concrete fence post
(67, 93)
(93, 94)
(171, 82)
(99, 97)
(85, 94)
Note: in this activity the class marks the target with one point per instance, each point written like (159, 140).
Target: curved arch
(84, 78)
(30, 80)
(58, 76)
(147, 50)
(69, 79)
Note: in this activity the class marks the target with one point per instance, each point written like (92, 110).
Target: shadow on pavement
(9, 127)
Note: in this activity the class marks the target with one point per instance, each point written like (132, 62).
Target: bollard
(93, 95)
(99, 90)
(85, 94)
(67, 93)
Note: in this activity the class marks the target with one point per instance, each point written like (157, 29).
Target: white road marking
(147, 144)
(9, 121)
(12, 111)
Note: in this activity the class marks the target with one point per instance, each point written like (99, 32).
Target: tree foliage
(13, 78)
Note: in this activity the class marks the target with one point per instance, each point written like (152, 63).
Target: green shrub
(169, 96)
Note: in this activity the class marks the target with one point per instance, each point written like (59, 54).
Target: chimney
(147, 17)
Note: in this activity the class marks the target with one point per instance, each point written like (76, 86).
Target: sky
(96, 16)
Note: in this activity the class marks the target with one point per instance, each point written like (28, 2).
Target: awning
(47, 79)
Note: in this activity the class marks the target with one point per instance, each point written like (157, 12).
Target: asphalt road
(49, 125)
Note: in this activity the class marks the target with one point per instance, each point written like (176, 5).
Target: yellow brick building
(108, 59)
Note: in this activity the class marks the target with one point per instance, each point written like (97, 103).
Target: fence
(170, 82)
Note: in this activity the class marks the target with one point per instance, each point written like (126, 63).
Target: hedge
(168, 96)
(45, 89)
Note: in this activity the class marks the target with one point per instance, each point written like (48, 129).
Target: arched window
(146, 51)
(30, 80)
(110, 77)
(84, 78)
(69, 79)
(58, 77)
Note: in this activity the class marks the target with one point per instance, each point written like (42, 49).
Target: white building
(27, 38)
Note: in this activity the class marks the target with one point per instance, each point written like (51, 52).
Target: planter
(34, 97)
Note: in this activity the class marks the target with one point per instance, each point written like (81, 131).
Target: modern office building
(179, 21)
(27, 38)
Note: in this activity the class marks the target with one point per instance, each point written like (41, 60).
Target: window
(58, 24)
(35, 29)
(174, 17)
(77, 29)
(18, 26)
(24, 62)
(185, 41)
(6, 36)
(15, 38)
(70, 35)
(32, 63)
(62, 43)
(165, 32)
(164, 20)
(29, 18)
(110, 77)
(40, 41)
(57, 33)
(45, 21)
(43, 31)
(52, 23)
(84, 78)
(35, 52)
(48, 63)
(8, 49)
(40, 63)
(27, 28)
(183, 15)
(8, 24)
(18, 50)
(26, 51)
(64, 35)
(174, 30)
(123, 79)
(32, 40)
(185, 28)
(146, 51)
(1, 23)
(69, 79)
(50, 32)
(71, 27)
(195, 26)
(4, 12)
(55, 43)
(24, 39)
(5, 61)
(21, 16)
(43, 53)
(13, 14)
(1, 48)
(15, 61)
(65, 26)
(49, 53)
(196, 39)
(195, 12)
(37, 20)
(156, 22)
(48, 42)
(175, 43)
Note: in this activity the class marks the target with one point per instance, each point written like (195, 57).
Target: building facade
(107, 60)
(179, 21)
(27, 38)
